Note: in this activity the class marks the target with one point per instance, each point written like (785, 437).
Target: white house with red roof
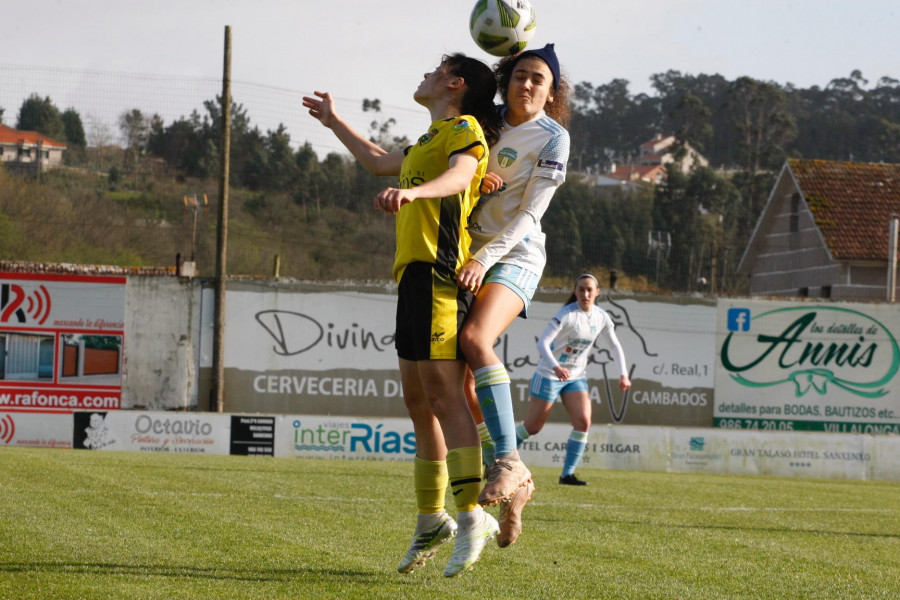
(652, 174)
(658, 152)
(29, 150)
(649, 165)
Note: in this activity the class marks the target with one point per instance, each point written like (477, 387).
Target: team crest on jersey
(460, 125)
(428, 137)
(507, 157)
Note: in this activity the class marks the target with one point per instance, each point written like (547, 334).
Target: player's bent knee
(581, 425)
(469, 342)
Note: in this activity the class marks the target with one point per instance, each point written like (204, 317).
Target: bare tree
(99, 138)
(135, 128)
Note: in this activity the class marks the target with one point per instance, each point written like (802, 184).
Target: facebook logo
(738, 319)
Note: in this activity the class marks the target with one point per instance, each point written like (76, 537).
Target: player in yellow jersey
(439, 179)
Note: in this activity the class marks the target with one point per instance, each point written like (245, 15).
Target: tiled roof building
(29, 149)
(825, 231)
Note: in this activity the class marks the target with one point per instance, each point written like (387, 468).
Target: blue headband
(548, 55)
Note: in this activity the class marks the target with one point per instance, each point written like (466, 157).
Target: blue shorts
(521, 281)
(549, 390)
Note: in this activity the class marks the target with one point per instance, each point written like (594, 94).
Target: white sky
(366, 49)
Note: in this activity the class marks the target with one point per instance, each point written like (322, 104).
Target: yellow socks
(431, 485)
(464, 470)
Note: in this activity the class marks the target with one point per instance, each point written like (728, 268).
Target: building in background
(654, 155)
(29, 151)
(824, 232)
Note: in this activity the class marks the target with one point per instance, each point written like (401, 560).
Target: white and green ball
(502, 27)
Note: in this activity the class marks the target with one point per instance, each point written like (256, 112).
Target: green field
(81, 524)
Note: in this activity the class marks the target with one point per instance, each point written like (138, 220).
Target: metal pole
(892, 259)
(194, 230)
(218, 391)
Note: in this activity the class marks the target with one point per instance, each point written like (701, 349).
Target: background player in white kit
(564, 348)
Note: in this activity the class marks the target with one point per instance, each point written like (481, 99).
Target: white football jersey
(570, 334)
(537, 148)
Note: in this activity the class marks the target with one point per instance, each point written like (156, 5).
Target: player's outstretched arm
(373, 157)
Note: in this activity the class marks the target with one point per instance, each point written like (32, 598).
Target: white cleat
(473, 534)
(431, 532)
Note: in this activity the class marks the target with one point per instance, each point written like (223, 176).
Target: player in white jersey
(506, 225)
(565, 347)
(528, 163)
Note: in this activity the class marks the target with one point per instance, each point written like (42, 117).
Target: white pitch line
(716, 508)
(580, 505)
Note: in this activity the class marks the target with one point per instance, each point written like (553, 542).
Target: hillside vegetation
(124, 205)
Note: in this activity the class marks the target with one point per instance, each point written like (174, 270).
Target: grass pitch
(81, 524)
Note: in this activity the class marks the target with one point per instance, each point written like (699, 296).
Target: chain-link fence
(148, 160)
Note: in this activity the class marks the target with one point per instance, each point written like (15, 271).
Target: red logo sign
(16, 304)
(7, 429)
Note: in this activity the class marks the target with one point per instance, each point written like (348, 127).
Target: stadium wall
(615, 447)
(717, 382)
(162, 348)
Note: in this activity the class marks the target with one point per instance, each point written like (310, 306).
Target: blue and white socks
(495, 399)
(574, 450)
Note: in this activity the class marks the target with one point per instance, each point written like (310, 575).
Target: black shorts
(430, 312)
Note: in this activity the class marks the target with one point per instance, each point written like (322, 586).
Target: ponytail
(481, 88)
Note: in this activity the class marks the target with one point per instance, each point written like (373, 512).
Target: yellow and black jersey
(433, 230)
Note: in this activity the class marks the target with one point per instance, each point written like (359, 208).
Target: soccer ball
(502, 27)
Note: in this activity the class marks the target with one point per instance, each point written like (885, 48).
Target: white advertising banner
(805, 454)
(332, 352)
(52, 302)
(620, 447)
(345, 438)
(805, 366)
(614, 447)
(61, 342)
(136, 431)
(886, 457)
(36, 430)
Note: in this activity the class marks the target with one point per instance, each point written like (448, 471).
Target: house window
(804, 292)
(45, 154)
(24, 152)
(795, 212)
(1, 150)
(826, 291)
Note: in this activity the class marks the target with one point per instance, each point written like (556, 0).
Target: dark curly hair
(558, 109)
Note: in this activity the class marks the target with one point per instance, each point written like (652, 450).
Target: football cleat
(504, 477)
(511, 515)
(571, 480)
(470, 541)
(426, 540)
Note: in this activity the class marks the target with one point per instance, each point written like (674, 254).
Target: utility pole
(191, 203)
(892, 259)
(218, 388)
